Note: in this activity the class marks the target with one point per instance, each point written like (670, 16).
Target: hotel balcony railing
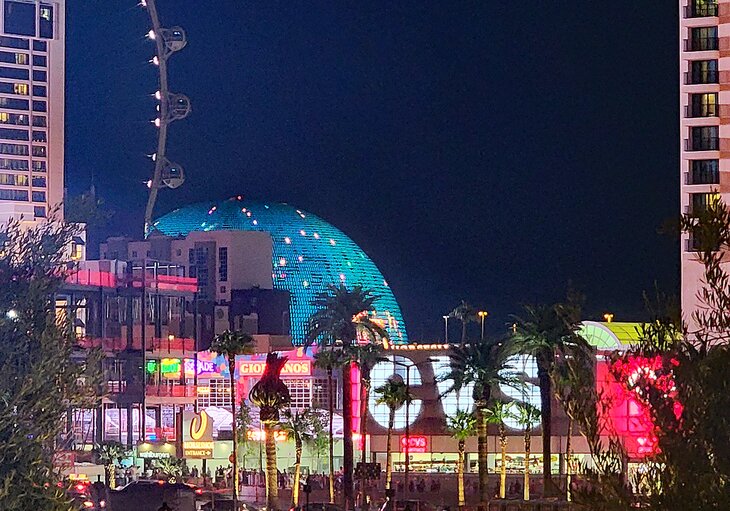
(700, 9)
(174, 390)
(700, 177)
(702, 144)
(701, 77)
(702, 110)
(701, 44)
(153, 344)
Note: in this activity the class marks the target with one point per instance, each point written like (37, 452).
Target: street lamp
(446, 329)
(408, 408)
(482, 316)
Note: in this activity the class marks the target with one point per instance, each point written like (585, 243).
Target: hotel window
(17, 195)
(702, 71)
(13, 180)
(702, 39)
(19, 18)
(17, 119)
(14, 42)
(704, 172)
(300, 391)
(9, 164)
(38, 60)
(223, 264)
(40, 121)
(39, 196)
(11, 134)
(40, 46)
(14, 104)
(45, 21)
(703, 105)
(214, 392)
(39, 181)
(16, 149)
(39, 166)
(39, 76)
(13, 72)
(704, 138)
(40, 90)
(20, 88)
(320, 393)
(39, 211)
(40, 136)
(701, 8)
(701, 202)
(39, 150)
(40, 106)
(14, 58)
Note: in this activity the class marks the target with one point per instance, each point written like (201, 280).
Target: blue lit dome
(308, 255)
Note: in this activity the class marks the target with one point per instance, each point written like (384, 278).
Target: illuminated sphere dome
(309, 254)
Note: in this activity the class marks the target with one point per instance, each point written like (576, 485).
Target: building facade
(32, 90)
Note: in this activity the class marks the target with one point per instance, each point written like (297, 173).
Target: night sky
(491, 151)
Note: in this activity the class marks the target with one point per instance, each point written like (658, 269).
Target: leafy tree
(542, 331)
(271, 395)
(462, 426)
(302, 427)
(498, 413)
(41, 380)
(229, 344)
(466, 314)
(329, 360)
(172, 468)
(393, 394)
(343, 318)
(88, 209)
(111, 454)
(243, 423)
(528, 417)
(484, 365)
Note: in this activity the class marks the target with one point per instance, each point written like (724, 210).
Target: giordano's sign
(197, 438)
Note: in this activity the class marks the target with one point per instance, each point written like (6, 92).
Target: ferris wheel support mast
(171, 107)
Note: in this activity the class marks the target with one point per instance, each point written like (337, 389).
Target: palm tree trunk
(272, 479)
(568, 471)
(364, 397)
(460, 475)
(388, 455)
(347, 444)
(543, 375)
(482, 455)
(463, 332)
(503, 468)
(528, 440)
(331, 398)
(231, 371)
(297, 470)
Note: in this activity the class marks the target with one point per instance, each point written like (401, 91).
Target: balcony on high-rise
(702, 39)
(700, 9)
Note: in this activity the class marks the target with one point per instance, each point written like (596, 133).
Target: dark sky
(484, 150)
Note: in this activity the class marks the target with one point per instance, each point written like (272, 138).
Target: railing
(175, 390)
(702, 110)
(701, 77)
(153, 344)
(700, 10)
(701, 44)
(702, 177)
(702, 144)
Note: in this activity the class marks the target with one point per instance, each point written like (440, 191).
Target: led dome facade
(308, 255)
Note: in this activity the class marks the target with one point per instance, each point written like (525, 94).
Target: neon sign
(204, 366)
(414, 444)
(291, 368)
(257, 435)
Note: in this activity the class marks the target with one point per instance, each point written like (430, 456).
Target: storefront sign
(197, 435)
(170, 367)
(415, 444)
(291, 368)
(258, 435)
(150, 450)
(204, 366)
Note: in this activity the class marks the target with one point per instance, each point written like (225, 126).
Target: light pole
(446, 329)
(408, 408)
(482, 316)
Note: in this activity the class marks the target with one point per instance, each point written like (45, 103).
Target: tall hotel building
(705, 121)
(32, 66)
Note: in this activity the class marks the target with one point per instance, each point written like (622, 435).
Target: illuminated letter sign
(291, 368)
(197, 435)
(204, 366)
(417, 444)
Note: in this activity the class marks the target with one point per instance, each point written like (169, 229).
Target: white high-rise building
(32, 69)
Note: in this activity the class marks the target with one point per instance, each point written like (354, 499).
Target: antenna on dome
(171, 107)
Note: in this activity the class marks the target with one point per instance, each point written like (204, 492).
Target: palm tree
(229, 344)
(342, 318)
(462, 426)
(301, 426)
(498, 413)
(366, 356)
(543, 331)
(466, 314)
(393, 394)
(270, 394)
(484, 365)
(109, 454)
(528, 417)
(329, 360)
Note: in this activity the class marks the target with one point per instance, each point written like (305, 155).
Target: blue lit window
(39, 196)
(19, 18)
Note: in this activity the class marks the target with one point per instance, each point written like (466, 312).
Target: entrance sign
(197, 441)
